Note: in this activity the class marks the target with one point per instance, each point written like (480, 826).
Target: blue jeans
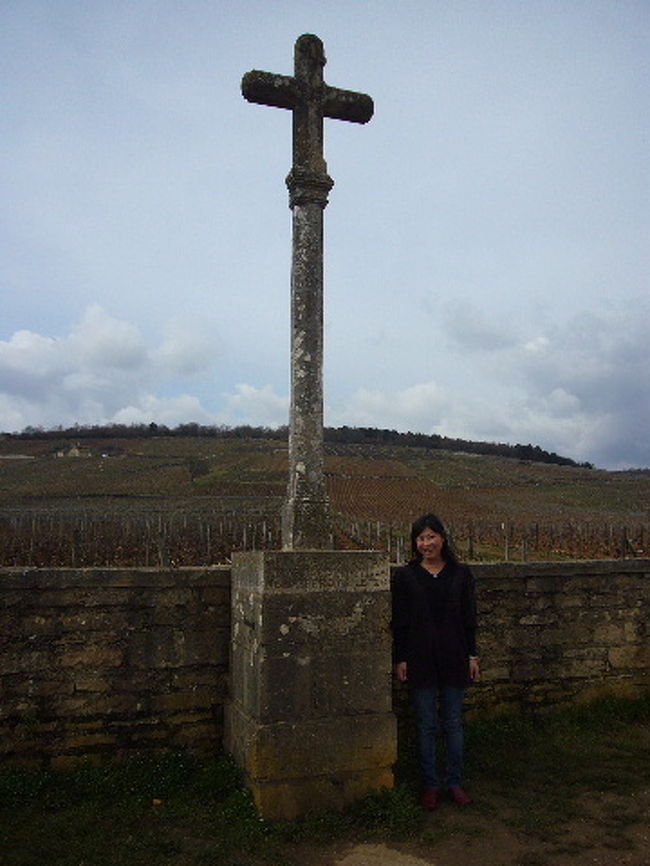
(425, 702)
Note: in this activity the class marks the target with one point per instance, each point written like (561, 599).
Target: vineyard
(174, 502)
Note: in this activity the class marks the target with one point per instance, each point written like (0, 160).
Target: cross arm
(284, 91)
(265, 88)
(347, 105)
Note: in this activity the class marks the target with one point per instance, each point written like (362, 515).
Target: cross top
(310, 100)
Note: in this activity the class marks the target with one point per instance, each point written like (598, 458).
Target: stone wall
(555, 632)
(105, 662)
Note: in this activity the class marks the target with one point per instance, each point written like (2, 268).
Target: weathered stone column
(310, 717)
(306, 516)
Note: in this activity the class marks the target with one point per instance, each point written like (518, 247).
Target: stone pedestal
(310, 718)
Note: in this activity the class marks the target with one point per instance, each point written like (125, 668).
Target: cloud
(101, 372)
(419, 407)
(593, 371)
(188, 347)
(102, 342)
(467, 324)
(255, 406)
(170, 411)
(580, 388)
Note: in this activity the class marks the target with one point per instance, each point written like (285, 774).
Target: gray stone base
(310, 718)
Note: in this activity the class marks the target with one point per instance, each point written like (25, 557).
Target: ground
(614, 830)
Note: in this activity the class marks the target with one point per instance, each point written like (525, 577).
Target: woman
(434, 632)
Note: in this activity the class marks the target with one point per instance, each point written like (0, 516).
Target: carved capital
(308, 187)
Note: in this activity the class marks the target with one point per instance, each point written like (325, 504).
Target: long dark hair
(433, 522)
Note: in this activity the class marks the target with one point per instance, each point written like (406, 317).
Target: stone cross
(306, 520)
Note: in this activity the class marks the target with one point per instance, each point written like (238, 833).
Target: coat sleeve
(400, 617)
(469, 611)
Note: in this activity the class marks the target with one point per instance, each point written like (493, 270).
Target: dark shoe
(460, 796)
(429, 799)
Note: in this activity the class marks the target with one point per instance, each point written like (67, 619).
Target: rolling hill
(193, 499)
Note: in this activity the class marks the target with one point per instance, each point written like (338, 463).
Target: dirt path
(613, 831)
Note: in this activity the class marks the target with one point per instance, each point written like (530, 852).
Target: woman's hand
(474, 670)
(400, 671)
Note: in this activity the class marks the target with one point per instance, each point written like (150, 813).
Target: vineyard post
(74, 536)
(31, 540)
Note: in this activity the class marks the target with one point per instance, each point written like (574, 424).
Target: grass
(536, 777)
(569, 782)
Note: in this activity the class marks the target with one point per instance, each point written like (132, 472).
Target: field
(165, 501)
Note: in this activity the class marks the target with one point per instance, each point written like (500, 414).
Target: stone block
(91, 682)
(636, 657)
(67, 763)
(84, 620)
(315, 686)
(535, 619)
(93, 704)
(588, 662)
(286, 801)
(542, 584)
(299, 749)
(609, 633)
(186, 700)
(296, 619)
(91, 656)
(158, 648)
(310, 719)
(88, 741)
(290, 571)
(202, 736)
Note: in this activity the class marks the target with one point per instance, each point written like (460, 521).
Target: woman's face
(429, 544)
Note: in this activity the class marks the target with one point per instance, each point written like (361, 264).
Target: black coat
(434, 626)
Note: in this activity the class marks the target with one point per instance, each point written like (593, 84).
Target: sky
(487, 240)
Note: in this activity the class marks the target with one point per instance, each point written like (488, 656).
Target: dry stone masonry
(101, 663)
